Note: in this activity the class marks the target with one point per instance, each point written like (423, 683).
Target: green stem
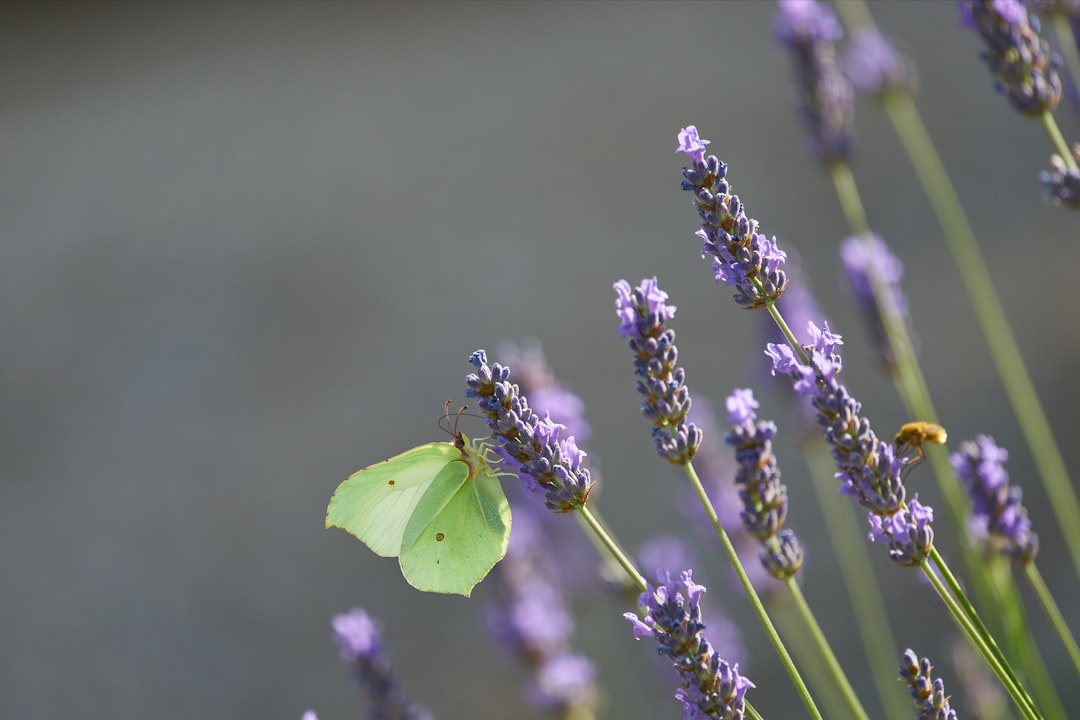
(1047, 599)
(1025, 655)
(862, 589)
(833, 665)
(979, 642)
(958, 598)
(612, 547)
(1058, 139)
(801, 647)
(751, 594)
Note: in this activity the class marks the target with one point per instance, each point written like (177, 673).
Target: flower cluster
(360, 643)
(998, 514)
(858, 258)
(1017, 55)
(826, 101)
(869, 470)
(1062, 182)
(552, 463)
(764, 498)
(712, 688)
(927, 692)
(873, 65)
(643, 313)
(742, 256)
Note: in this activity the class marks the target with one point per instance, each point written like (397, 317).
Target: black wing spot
(439, 537)
(389, 482)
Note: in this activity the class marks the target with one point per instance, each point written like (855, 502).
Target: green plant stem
(1047, 599)
(989, 313)
(958, 598)
(801, 647)
(858, 576)
(612, 547)
(1024, 654)
(751, 594)
(980, 643)
(1058, 139)
(833, 665)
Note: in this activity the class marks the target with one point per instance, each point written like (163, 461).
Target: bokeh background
(248, 248)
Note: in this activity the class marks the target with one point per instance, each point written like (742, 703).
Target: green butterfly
(438, 508)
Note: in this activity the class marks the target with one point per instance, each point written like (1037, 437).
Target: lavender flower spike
(361, 646)
(763, 497)
(1017, 55)
(742, 256)
(809, 29)
(712, 688)
(998, 515)
(549, 462)
(857, 259)
(643, 312)
(927, 692)
(868, 469)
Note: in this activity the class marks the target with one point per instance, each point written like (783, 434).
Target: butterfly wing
(376, 503)
(458, 532)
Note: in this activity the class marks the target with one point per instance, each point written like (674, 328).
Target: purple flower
(547, 394)
(531, 620)
(998, 514)
(668, 551)
(826, 101)
(691, 144)
(358, 639)
(1018, 57)
(712, 688)
(552, 463)
(1068, 8)
(566, 683)
(868, 469)
(763, 497)
(857, 259)
(927, 692)
(873, 65)
(716, 469)
(309, 715)
(1061, 182)
(741, 256)
(907, 532)
(643, 313)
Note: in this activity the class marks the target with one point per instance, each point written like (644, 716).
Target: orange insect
(912, 435)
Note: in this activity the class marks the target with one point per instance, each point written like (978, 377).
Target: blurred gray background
(248, 248)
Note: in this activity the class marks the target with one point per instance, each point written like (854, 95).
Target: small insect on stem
(912, 435)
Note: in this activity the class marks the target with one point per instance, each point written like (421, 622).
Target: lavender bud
(711, 687)
(764, 498)
(858, 257)
(927, 692)
(1061, 182)
(358, 638)
(809, 30)
(1018, 57)
(643, 313)
(551, 463)
(998, 516)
